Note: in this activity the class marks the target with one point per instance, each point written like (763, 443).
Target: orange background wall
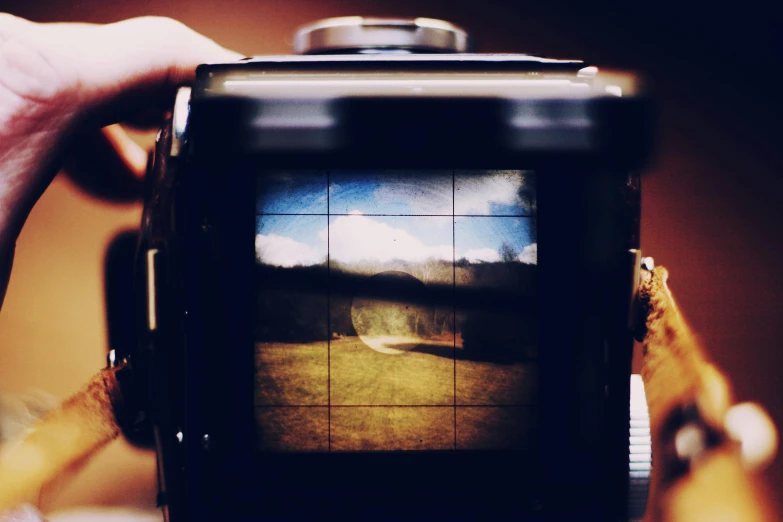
(711, 201)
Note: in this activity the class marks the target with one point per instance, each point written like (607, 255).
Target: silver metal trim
(359, 32)
(587, 72)
(478, 59)
(111, 359)
(152, 308)
(179, 120)
(279, 86)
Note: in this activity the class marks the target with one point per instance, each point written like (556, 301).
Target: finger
(159, 54)
(133, 60)
(126, 71)
(132, 157)
(107, 164)
(142, 53)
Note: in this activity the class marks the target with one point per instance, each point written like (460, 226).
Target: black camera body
(384, 280)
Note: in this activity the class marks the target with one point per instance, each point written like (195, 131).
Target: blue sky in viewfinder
(394, 192)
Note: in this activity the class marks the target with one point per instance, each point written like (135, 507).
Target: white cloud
(357, 238)
(529, 254)
(284, 251)
(482, 254)
(475, 191)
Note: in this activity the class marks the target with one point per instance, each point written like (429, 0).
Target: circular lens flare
(391, 313)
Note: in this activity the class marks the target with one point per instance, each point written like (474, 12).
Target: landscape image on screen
(396, 310)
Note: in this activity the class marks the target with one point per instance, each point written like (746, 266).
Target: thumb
(55, 78)
(101, 64)
(143, 53)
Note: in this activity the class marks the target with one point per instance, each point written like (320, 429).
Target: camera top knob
(365, 35)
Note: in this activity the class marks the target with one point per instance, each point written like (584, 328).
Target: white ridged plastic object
(639, 451)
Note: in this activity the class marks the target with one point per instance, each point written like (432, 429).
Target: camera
(388, 277)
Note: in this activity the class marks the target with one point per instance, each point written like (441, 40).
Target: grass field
(344, 395)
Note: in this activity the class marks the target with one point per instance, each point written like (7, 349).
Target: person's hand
(56, 80)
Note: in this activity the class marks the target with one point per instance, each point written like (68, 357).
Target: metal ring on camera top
(357, 34)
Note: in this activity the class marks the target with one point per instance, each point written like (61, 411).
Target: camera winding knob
(368, 35)
(640, 451)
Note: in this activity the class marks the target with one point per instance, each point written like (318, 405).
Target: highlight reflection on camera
(395, 310)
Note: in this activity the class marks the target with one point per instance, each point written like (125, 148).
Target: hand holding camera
(61, 80)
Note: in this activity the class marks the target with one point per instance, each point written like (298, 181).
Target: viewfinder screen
(395, 310)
